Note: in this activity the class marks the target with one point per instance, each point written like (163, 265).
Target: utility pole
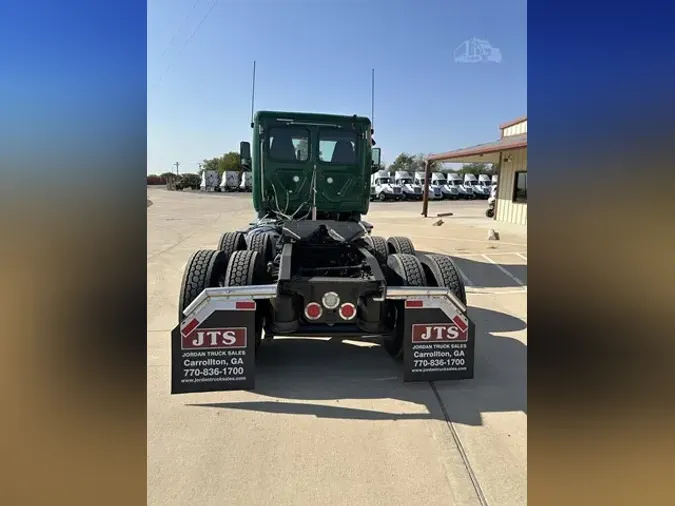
(176, 164)
(425, 190)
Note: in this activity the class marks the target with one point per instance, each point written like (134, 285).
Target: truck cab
(246, 184)
(439, 180)
(209, 180)
(411, 191)
(471, 181)
(434, 192)
(385, 187)
(307, 163)
(230, 181)
(456, 181)
(485, 181)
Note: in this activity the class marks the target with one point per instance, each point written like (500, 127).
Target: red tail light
(313, 311)
(347, 311)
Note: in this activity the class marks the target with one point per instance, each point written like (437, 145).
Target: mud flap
(438, 341)
(213, 348)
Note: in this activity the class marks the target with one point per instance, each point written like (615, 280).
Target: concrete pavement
(331, 422)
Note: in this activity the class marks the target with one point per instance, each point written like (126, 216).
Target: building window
(520, 187)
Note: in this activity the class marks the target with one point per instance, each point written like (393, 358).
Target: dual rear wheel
(234, 263)
(405, 268)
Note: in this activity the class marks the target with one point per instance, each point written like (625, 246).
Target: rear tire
(490, 213)
(205, 269)
(379, 247)
(246, 268)
(231, 242)
(406, 270)
(400, 245)
(262, 243)
(440, 271)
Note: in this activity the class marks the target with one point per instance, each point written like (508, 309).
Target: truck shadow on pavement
(483, 274)
(344, 371)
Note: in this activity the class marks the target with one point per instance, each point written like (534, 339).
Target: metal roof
(506, 143)
(513, 122)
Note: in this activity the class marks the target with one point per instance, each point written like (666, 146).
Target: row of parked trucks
(404, 186)
(231, 181)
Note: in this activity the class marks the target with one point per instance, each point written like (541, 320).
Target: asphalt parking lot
(330, 422)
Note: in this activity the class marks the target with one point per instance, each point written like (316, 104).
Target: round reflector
(313, 311)
(330, 300)
(347, 311)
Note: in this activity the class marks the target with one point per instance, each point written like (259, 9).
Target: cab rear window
(337, 147)
(288, 144)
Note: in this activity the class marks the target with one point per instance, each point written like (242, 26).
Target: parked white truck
(439, 180)
(486, 182)
(480, 191)
(209, 180)
(456, 180)
(230, 181)
(385, 188)
(411, 191)
(484, 186)
(246, 182)
(434, 193)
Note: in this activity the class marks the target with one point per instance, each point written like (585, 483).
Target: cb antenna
(253, 95)
(372, 103)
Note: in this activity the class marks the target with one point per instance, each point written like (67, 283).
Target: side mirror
(245, 154)
(375, 155)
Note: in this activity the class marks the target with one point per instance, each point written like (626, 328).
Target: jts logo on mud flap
(215, 339)
(438, 333)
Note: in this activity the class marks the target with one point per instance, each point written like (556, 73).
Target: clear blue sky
(317, 56)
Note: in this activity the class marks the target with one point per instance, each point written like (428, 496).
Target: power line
(180, 27)
(185, 45)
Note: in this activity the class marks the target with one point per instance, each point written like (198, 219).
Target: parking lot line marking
(492, 292)
(467, 281)
(467, 240)
(522, 256)
(459, 254)
(505, 271)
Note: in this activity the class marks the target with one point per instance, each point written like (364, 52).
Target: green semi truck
(309, 265)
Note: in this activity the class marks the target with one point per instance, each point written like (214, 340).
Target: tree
(404, 161)
(437, 166)
(413, 163)
(229, 161)
(209, 164)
